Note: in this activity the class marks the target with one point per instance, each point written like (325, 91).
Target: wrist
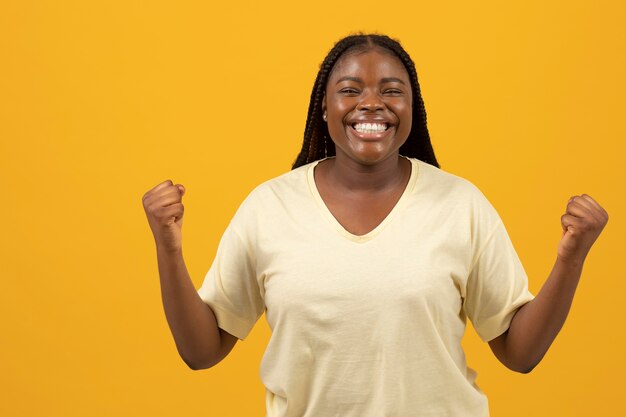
(570, 262)
(166, 250)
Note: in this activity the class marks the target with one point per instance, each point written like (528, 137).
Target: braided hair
(317, 143)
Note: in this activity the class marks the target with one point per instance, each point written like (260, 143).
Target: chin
(371, 158)
(367, 152)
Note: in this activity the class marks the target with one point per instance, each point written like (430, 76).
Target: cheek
(401, 106)
(340, 109)
(403, 110)
(337, 114)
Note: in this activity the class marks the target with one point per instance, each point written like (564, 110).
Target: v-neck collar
(374, 232)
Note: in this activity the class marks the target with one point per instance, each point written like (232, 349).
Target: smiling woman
(367, 259)
(367, 106)
(400, 81)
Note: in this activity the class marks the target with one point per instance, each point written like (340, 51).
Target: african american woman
(367, 260)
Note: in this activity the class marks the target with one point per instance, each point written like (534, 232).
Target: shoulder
(274, 195)
(286, 185)
(453, 196)
(445, 185)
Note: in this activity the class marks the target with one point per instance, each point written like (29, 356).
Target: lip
(371, 136)
(369, 120)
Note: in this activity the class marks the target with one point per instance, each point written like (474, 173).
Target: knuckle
(158, 212)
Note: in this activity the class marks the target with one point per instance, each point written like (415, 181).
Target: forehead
(371, 64)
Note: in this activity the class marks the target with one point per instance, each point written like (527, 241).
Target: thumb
(181, 188)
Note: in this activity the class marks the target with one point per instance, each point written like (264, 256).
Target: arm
(200, 343)
(536, 324)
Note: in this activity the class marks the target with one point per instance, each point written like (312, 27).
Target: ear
(324, 104)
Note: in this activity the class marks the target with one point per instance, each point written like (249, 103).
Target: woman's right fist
(164, 208)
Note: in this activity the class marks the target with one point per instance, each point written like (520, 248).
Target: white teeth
(370, 127)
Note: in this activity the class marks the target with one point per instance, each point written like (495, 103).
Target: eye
(349, 91)
(393, 91)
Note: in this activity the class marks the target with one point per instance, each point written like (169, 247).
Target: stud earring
(324, 116)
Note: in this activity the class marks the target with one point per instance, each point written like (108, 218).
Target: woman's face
(368, 103)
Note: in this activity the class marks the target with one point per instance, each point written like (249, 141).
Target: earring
(324, 116)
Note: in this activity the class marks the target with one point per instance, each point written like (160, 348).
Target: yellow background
(102, 100)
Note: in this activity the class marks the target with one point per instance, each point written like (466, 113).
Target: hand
(582, 223)
(164, 208)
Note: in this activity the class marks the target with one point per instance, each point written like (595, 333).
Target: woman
(367, 259)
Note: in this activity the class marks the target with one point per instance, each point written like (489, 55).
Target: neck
(354, 176)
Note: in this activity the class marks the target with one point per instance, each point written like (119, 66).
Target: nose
(371, 102)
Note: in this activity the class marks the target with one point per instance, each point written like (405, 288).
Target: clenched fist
(582, 223)
(164, 208)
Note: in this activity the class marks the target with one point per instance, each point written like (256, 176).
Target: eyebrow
(383, 80)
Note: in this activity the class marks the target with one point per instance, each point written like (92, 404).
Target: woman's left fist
(582, 223)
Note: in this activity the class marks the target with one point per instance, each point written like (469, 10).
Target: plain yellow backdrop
(102, 100)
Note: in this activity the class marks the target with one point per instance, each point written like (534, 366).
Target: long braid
(316, 130)
(317, 143)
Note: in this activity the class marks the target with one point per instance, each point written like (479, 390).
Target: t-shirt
(367, 325)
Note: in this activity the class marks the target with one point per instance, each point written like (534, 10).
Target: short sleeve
(230, 286)
(497, 285)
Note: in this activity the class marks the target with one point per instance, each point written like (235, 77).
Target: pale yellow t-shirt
(367, 326)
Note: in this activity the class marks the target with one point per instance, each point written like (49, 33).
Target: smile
(370, 127)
